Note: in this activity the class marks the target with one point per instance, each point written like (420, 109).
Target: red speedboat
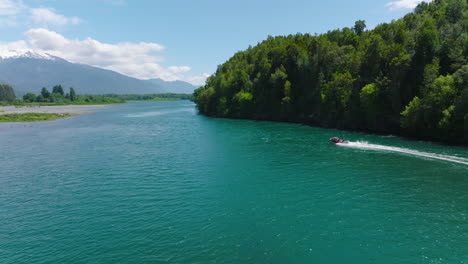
(338, 140)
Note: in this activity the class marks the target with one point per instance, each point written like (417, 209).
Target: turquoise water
(157, 183)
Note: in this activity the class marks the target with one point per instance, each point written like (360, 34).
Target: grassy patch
(31, 117)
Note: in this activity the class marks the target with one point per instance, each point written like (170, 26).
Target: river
(154, 182)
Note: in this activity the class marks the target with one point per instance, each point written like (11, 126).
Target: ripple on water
(157, 183)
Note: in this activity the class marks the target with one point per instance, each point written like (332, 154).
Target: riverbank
(56, 109)
(47, 113)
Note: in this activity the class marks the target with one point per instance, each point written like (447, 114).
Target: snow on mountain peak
(25, 53)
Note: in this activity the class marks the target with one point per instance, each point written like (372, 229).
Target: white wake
(365, 145)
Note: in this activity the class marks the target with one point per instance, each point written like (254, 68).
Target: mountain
(174, 86)
(29, 71)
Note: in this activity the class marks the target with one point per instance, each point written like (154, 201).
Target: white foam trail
(365, 145)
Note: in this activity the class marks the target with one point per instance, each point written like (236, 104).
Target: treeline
(407, 77)
(58, 96)
(151, 97)
(6, 93)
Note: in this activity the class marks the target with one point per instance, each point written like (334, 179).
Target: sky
(177, 39)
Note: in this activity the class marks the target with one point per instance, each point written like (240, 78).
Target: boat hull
(338, 140)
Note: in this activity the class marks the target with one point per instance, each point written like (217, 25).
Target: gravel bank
(57, 109)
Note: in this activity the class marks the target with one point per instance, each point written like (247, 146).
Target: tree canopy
(6, 93)
(406, 77)
(58, 96)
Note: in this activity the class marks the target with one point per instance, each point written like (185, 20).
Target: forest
(57, 96)
(407, 77)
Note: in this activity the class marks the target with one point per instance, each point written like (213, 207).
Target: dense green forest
(58, 97)
(6, 93)
(407, 77)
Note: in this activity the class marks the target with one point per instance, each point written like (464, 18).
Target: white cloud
(11, 8)
(402, 4)
(17, 45)
(132, 59)
(44, 39)
(198, 80)
(15, 13)
(9, 11)
(47, 16)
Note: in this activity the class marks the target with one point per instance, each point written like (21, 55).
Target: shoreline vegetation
(407, 78)
(28, 113)
(52, 98)
(48, 106)
(59, 97)
(33, 117)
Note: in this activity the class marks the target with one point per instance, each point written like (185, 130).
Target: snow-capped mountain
(27, 53)
(28, 71)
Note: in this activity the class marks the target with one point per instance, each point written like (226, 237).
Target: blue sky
(177, 39)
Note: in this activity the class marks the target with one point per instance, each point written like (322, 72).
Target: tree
(455, 9)
(58, 89)
(72, 94)
(431, 72)
(335, 96)
(287, 93)
(40, 98)
(431, 116)
(359, 26)
(369, 96)
(29, 97)
(245, 103)
(45, 93)
(7, 93)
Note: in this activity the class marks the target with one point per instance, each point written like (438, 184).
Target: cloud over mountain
(133, 59)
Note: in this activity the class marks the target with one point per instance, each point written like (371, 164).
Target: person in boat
(337, 140)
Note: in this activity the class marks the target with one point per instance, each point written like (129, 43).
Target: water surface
(157, 183)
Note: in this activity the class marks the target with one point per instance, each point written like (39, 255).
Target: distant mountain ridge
(29, 71)
(178, 86)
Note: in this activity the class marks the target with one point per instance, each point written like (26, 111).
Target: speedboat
(338, 140)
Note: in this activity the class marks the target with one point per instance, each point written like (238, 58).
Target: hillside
(408, 77)
(174, 86)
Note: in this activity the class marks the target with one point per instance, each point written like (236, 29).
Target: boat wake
(365, 145)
